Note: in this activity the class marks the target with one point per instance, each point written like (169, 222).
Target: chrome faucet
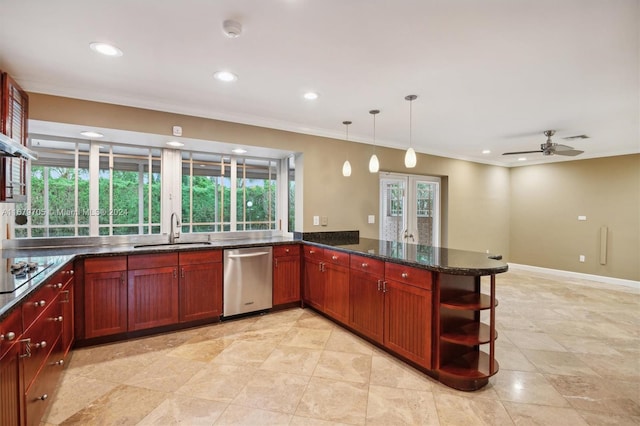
(174, 234)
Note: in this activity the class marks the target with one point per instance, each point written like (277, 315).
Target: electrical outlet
(177, 131)
(582, 258)
(582, 218)
(324, 220)
(316, 220)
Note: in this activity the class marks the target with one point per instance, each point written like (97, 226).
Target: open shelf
(471, 334)
(471, 366)
(468, 301)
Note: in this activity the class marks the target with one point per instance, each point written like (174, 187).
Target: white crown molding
(578, 275)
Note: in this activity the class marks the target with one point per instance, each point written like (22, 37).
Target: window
(79, 188)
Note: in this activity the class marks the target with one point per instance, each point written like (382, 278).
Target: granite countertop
(439, 259)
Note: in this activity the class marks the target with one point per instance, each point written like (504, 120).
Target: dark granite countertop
(450, 261)
(439, 259)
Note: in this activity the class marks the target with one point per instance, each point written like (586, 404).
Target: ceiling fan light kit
(551, 148)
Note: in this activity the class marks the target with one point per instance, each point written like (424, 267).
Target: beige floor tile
(217, 382)
(242, 352)
(528, 388)
(289, 359)
(532, 340)
(182, 410)
(530, 415)
(553, 362)
(463, 410)
(273, 391)
(306, 421)
(166, 374)
(306, 338)
(342, 341)
(391, 372)
(310, 319)
(625, 367)
(200, 348)
(599, 419)
(243, 416)
(393, 406)
(345, 366)
(335, 401)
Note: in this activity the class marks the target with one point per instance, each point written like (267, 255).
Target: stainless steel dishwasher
(247, 280)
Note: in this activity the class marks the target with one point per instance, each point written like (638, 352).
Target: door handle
(262, 253)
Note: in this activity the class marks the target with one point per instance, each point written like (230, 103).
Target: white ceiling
(491, 74)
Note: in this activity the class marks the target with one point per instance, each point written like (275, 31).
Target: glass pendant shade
(374, 164)
(410, 159)
(346, 169)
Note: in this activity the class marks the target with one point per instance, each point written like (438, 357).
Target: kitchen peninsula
(421, 303)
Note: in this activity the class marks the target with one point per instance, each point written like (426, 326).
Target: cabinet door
(153, 297)
(105, 303)
(200, 291)
(366, 304)
(407, 329)
(13, 123)
(336, 296)
(313, 292)
(286, 280)
(11, 386)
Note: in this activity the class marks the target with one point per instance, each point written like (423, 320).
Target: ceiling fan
(550, 148)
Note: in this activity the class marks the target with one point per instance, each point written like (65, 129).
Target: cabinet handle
(66, 299)
(312, 251)
(182, 272)
(365, 265)
(59, 362)
(122, 278)
(384, 287)
(275, 262)
(379, 285)
(334, 257)
(43, 397)
(9, 336)
(40, 303)
(27, 348)
(59, 285)
(404, 275)
(286, 250)
(57, 319)
(42, 344)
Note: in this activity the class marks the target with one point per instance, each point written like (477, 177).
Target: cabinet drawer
(336, 257)
(42, 334)
(197, 257)
(313, 252)
(406, 274)
(147, 261)
(286, 250)
(10, 329)
(39, 395)
(62, 277)
(367, 264)
(37, 303)
(105, 264)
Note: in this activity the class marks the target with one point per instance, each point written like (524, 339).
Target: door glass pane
(393, 209)
(424, 212)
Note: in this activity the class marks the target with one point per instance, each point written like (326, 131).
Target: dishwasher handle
(262, 253)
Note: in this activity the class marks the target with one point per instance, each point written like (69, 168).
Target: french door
(410, 208)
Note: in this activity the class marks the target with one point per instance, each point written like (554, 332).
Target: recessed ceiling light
(239, 151)
(310, 96)
(225, 76)
(105, 49)
(175, 143)
(486, 151)
(91, 134)
(522, 159)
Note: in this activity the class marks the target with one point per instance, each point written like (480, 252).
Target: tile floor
(569, 354)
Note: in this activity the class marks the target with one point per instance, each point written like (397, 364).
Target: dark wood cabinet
(200, 285)
(14, 108)
(286, 274)
(105, 296)
(153, 290)
(11, 383)
(313, 283)
(366, 299)
(336, 297)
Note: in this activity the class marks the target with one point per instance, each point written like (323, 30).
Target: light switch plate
(177, 131)
(324, 221)
(582, 218)
(316, 220)
(371, 219)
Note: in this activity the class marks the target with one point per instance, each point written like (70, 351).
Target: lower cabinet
(105, 296)
(200, 285)
(39, 393)
(366, 299)
(153, 290)
(11, 383)
(313, 281)
(286, 274)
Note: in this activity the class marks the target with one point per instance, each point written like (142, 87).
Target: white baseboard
(569, 274)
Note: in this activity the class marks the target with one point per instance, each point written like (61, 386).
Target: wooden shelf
(471, 366)
(471, 334)
(468, 301)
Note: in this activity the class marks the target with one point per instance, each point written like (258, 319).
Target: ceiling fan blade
(559, 147)
(569, 152)
(522, 152)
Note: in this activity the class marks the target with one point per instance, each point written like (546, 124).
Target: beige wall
(528, 214)
(546, 201)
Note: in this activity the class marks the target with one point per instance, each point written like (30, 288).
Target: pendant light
(410, 159)
(374, 164)
(346, 167)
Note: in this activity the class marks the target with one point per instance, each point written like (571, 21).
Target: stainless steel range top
(16, 272)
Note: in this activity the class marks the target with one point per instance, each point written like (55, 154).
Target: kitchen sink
(174, 245)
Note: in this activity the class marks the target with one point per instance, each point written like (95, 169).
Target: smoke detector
(232, 29)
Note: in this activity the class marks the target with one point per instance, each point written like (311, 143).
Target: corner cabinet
(14, 108)
(466, 323)
(286, 274)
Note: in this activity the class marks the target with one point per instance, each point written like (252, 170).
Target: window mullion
(94, 188)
